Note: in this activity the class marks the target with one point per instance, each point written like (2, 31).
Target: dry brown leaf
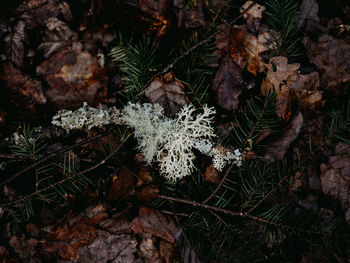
(56, 36)
(24, 248)
(246, 49)
(153, 222)
(277, 149)
(148, 250)
(73, 78)
(211, 175)
(154, 7)
(23, 91)
(122, 184)
(335, 175)
(14, 44)
(166, 250)
(331, 56)
(168, 92)
(228, 84)
(280, 76)
(109, 248)
(189, 16)
(255, 46)
(253, 16)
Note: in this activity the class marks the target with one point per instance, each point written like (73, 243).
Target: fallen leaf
(253, 16)
(14, 44)
(308, 14)
(330, 55)
(73, 78)
(189, 16)
(148, 250)
(228, 84)
(277, 149)
(122, 184)
(56, 36)
(335, 175)
(154, 7)
(279, 78)
(188, 255)
(211, 175)
(168, 92)
(153, 222)
(279, 74)
(24, 248)
(116, 226)
(109, 248)
(256, 46)
(23, 92)
(147, 194)
(166, 251)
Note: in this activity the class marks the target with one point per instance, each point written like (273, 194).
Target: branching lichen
(170, 142)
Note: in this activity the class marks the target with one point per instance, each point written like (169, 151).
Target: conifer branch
(52, 186)
(188, 51)
(53, 154)
(257, 219)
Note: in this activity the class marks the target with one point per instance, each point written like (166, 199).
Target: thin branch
(66, 179)
(246, 216)
(53, 154)
(220, 184)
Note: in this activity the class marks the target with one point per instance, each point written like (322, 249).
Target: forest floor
(269, 85)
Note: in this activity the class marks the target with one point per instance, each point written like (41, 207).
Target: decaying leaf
(330, 55)
(280, 76)
(107, 248)
(307, 91)
(228, 84)
(188, 255)
(190, 16)
(148, 250)
(25, 248)
(153, 222)
(168, 92)
(14, 44)
(166, 251)
(277, 149)
(153, 7)
(246, 49)
(72, 78)
(122, 184)
(211, 175)
(308, 14)
(56, 36)
(254, 12)
(335, 175)
(253, 16)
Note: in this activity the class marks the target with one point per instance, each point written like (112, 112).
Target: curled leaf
(168, 92)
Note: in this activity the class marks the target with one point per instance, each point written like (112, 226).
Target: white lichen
(169, 142)
(86, 117)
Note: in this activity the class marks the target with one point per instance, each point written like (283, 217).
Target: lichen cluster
(169, 142)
